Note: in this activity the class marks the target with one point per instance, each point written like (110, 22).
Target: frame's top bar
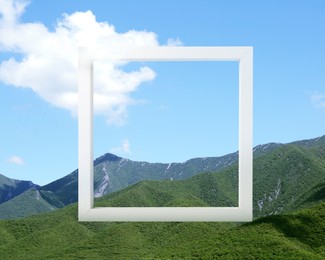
(166, 53)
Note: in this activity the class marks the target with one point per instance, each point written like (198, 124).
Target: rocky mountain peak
(107, 157)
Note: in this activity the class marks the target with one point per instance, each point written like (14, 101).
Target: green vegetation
(286, 177)
(289, 186)
(10, 188)
(57, 235)
(208, 189)
(5, 181)
(34, 201)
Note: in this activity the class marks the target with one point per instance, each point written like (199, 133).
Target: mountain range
(286, 177)
(289, 212)
(10, 188)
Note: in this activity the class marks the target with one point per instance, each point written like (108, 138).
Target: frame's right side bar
(246, 134)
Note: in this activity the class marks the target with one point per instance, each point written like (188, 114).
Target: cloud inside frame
(124, 148)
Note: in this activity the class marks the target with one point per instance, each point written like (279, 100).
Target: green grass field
(58, 235)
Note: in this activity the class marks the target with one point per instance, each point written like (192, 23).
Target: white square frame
(244, 211)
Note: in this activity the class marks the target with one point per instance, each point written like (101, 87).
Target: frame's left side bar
(85, 135)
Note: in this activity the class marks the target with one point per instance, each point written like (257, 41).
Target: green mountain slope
(10, 188)
(32, 198)
(112, 173)
(207, 189)
(286, 177)
(58, 235)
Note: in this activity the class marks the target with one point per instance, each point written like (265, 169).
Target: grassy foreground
(58, 235)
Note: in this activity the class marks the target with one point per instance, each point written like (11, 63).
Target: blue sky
(175, 111)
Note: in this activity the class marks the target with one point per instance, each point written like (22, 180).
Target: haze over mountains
(286, 177)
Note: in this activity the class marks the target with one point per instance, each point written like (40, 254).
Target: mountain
(202, 190)
(290, 177)
(10, 188)
(318, 141)
(281, 184)
(286, 177)
(288, 234)
(113, 173)
(33, 201)
(58, 235)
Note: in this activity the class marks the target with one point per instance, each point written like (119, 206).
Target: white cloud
(49, 59)
(318, 100)
(123, 148)
(174, 42)
(16, 160)
(11, 10)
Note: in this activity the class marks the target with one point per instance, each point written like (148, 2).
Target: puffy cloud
(16, 160)
(10, 10)
(48, 61)
(123, 148)
(318, 100)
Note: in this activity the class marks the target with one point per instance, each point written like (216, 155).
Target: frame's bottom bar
(163, 214)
